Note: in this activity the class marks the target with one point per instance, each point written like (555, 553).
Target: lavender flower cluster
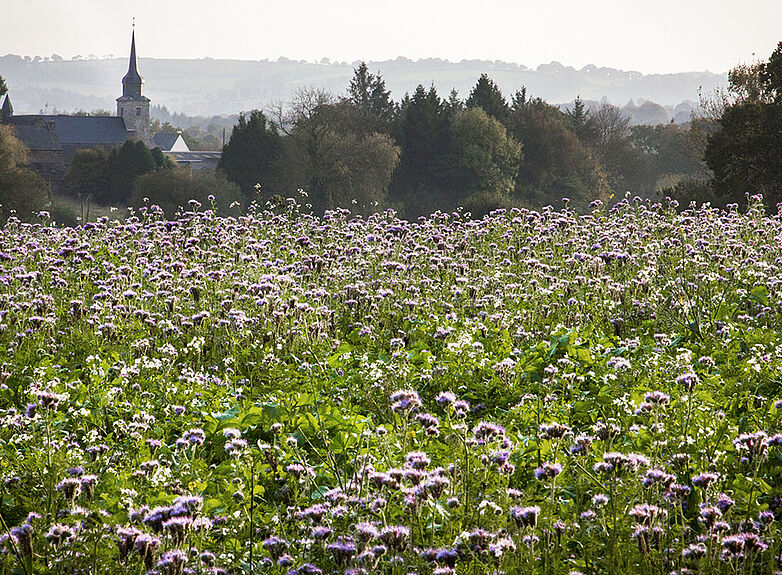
(534, 391)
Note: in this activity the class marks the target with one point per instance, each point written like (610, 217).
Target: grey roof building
(37, 136)
(54, 139)
(70, 133)
(197, 160)
(74, 132)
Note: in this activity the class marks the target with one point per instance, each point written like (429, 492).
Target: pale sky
(647, 36)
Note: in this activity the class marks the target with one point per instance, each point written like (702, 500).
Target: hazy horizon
(665, 37)
(335, 62)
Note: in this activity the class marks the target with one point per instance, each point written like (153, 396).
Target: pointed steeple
(133, 83)
(7, 111)
(133, 105)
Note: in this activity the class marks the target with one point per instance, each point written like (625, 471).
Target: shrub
(172, 188)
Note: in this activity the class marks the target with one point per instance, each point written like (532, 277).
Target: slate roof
(165, 140)
(91, 130)
(36, 137)
(7, 111)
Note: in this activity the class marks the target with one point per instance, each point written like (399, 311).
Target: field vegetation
(276, 392)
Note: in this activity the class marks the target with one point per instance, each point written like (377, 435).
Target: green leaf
(254, 416)
(273, 412)
(759, 294)
(763, 487)
(581, 353)
(723, 312)
(558, 343)
(230, 414)
(212, 505)
(678, 341)
(319, 491)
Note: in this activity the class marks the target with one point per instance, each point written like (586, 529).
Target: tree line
(364, 151)
(427, 152)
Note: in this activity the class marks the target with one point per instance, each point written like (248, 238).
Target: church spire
(133, 106)
(133, 83)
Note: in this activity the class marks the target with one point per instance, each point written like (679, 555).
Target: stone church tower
(133, 106)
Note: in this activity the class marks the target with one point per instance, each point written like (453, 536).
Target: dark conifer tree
(426, 171)
(250, 155)
(487, 95)
(368, 93)
(579, 119)
(125, 166)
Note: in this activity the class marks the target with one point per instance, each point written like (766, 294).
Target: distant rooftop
(93, 130)
(37, 137)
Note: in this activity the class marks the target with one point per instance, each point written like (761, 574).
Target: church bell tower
(133, 106)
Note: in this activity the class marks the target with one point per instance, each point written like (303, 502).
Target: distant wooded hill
(207, 87)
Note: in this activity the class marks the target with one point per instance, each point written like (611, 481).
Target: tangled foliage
(532, 392)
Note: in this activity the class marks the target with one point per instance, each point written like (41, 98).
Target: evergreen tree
(3, 87)
(519, 99)
(579, 120)
(771, 76)
(368, 93)
(161, 160)
(455, 103)
(249, 157)
(487, 95)
(125, 166)
(88, 175)
(425, 177)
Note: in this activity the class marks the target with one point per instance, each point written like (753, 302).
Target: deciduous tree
(555, 163)
(487, 157)
(22, 192)
(331, 157)
(745, 153)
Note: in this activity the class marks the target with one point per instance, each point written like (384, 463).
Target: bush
(63, 213)
(700, 192)
(481, 204)
(171, 189)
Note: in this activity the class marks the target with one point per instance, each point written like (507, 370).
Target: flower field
(533, 392)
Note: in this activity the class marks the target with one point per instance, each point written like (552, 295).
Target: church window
(138, 111)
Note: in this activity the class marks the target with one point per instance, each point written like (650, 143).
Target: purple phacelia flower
(548, 471)
(525, 516)
(395, 536)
